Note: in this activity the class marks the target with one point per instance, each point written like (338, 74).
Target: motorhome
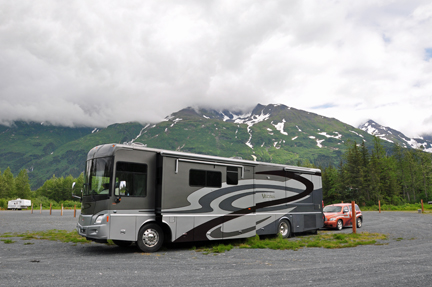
(150, 196)
(18, 204)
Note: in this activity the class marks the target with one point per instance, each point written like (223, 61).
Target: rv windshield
(98, 174)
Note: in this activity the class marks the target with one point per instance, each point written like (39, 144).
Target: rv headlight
(99, 219)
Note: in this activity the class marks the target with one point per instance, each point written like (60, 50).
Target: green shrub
(71, 204)
(3, 203)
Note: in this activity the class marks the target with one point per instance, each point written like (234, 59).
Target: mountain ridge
(396, 137)
(269, 133)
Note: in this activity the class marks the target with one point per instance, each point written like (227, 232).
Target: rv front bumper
(95, 232)
(92, 231)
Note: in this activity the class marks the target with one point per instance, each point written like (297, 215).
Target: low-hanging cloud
(94, 63)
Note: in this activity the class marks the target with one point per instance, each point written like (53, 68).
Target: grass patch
(324, 239)
(7, 241)
(214, 248)
(53, 234)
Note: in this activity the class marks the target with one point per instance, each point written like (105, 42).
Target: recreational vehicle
(19, 204)
(150, 196)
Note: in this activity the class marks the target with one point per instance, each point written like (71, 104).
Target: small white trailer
(19, 204)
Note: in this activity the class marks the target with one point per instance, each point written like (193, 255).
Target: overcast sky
(95, 63)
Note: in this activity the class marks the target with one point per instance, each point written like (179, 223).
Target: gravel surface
(403, 259)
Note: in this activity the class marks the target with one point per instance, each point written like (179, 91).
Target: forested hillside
(367, 175)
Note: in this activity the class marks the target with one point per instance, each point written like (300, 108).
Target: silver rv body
(143, 195)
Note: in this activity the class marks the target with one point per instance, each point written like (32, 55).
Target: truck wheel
(339, 225)
(150, 238)
(284, 228)
(122, 243)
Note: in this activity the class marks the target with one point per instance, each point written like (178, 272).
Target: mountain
(396, 137)
(46, 150)
(272, 133)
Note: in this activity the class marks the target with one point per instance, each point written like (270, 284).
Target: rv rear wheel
(150, 237)
(284, 228)
(122, 243)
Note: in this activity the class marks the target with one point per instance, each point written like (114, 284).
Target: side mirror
(73, 194)
(122, 188)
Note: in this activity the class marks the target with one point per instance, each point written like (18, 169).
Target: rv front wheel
(284, 228)
(150, 238)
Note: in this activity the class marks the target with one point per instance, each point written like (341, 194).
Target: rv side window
(131, 179)
(205, 178)
(232, 175)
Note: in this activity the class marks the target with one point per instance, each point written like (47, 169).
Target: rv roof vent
(236, 157)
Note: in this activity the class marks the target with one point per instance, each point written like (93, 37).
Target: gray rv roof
(108, 149)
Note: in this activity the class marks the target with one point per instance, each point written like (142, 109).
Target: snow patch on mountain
(175, 121)
(143, 130)
(419, 145)
(250, 121)
(393, 136)
(319, 143)
(354, 132)
(337, 136)
(280, 127)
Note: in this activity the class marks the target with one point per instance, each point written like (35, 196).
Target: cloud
(95, 63)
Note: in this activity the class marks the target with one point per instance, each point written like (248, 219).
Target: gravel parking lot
(403, 260)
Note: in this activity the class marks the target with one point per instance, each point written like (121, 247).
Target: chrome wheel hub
(150, 237)
(283, 228)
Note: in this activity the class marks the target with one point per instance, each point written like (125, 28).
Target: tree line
(368, 175)
(14, 187)
(364, 175)
(56, 188)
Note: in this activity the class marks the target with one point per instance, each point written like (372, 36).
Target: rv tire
(284, 228)
(122, 243)
(150, 237)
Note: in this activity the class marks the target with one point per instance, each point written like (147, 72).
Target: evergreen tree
(8, 184)
(22, 185)
(59, 189)
(406, 175)
(2, 189)
(402, 171)
(425, 160)
(366, 181)
(330, 185)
